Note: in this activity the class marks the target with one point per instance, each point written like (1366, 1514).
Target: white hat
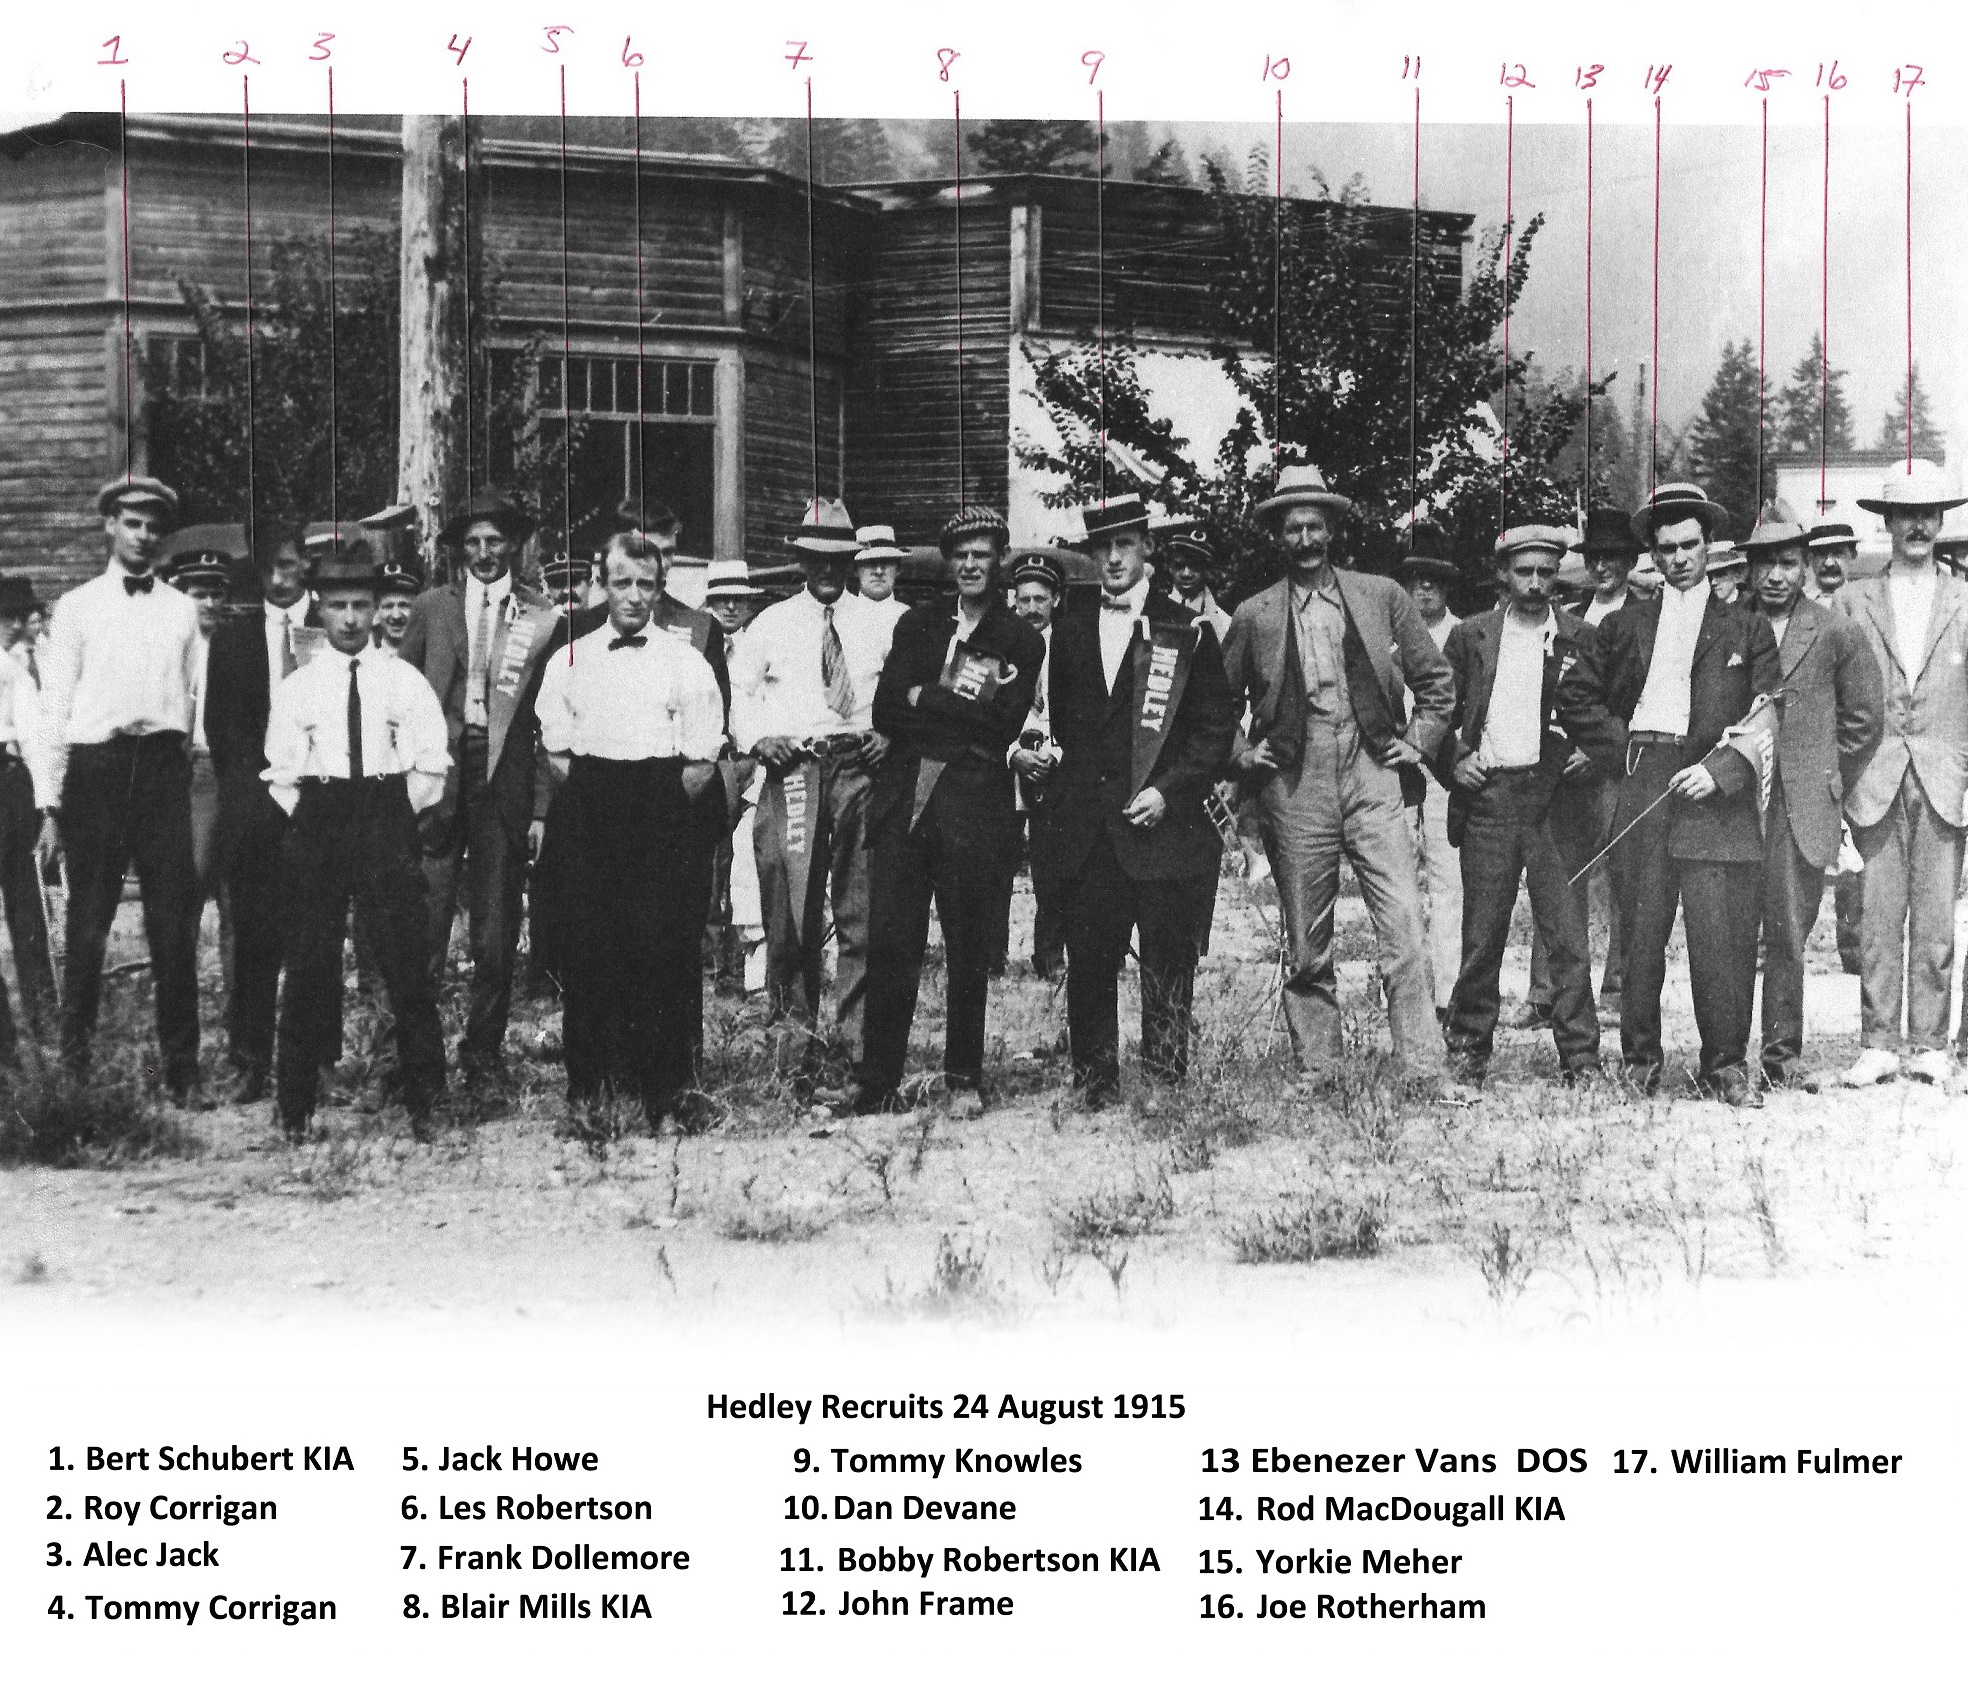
(727, 578)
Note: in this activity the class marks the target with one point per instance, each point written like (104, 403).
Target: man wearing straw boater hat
(942, 823)
(1530, 713)
(1906, 807)
(1832, 711)
(803, 680)
(20, 823)
(1834, 554)
(1685, 672)
(1142, 715)
(1325, 659)
(118, 676)
(875, 567)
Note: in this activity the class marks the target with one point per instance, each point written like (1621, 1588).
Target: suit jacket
(1107, 755)
(1832, 716)
(1735, 660)
(969, 737)
(1926, 714)
(437, 644)
(1573, 714)
(1388, 656)
(238, 694)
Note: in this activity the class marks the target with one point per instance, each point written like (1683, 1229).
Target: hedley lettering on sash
(795, 797)
(1161, 670)
(969, 673)
(524, 630)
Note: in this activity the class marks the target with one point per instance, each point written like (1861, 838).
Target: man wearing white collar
(875, 566)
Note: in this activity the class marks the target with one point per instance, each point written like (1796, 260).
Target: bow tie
(1117, 601)
(622, 640)
(137, 583)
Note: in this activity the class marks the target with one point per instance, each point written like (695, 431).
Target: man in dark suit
(1143, 719)
(480, 644)
(1833, 711)
(249, 655)
(941, 821)
(1683, 671)
(1530, 714)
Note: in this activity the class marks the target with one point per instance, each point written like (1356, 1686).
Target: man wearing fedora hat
(803, 678)
(1143, 719)
(1834, 551)
(1681, 672)
(942, 825)
(875, 567)
(480, 644)
(118, 680)
(1429, 574)
(1530, 713)
(1906, 807)
(1325, 659)
(1832, 712)
(20, 824)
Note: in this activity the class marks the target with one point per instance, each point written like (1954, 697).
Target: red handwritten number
(1587, 76)
(1908, 78)
(1656, 79)
(115, 46)
(237, 54)
(1411, 68)
(1093, 58)
(554, 33)
(946, 57)
(631, 60)
(454, 46)
(1275, 70)
(1835, 81)
(1762, 81)
(321, 49)
(799, 56)
(1517, 78)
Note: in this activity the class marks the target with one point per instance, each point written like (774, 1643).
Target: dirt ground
(1227, 1200)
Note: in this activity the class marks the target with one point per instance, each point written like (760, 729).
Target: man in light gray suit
(1324, 658)
(1907, 807)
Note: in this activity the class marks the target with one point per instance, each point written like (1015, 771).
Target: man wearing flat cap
(20, 824)
(1143, 718)
(1906, 807)
(804, 676)
(1832, 712)
(1325, 658)
(118, 680)
(479, 644)
(1682, 672)
(942, 825)
(1530, 712)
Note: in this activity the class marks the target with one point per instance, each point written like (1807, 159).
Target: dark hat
(391, 516)
(1126, 511)
(1187, 538)
(1609, 533)
(1035, 565)
(973, 519)
(16, 596)
(206, 545)
(397, 580)
(646, 515)
(1426, 555)
(1677, 502)
(503, 511)
(137, 489)
(825, 530)
(1828, 536)
(562, 570)
(345, 566)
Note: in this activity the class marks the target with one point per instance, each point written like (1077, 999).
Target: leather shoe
(1524, 1016)
(252, 1087)
(1733, 1086)
(1873, 1067)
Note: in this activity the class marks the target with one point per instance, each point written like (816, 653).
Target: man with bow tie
(118, 683)
(1142, 715)
(1681, 671)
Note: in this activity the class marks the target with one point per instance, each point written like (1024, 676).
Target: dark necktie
(1117, 601)
(354, 723)
(622, 640)
(833, 667)
(137, 583)
(286, 647)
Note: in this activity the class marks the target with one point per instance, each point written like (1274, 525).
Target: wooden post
(433, 420)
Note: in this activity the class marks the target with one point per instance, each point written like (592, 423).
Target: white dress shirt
(647, 695)
(1664, 701)
(403, 729)
(1513, 731)
(775, 670)
(202, 673)
(1598, 609)
(1911, 595)
(116, 663)
(479, 595)
(1117, 629)
(890, 610)
(284, 628)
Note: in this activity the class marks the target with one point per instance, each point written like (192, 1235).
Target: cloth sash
(1160, 665)
(794, 798)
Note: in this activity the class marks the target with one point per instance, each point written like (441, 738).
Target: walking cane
(57, 950)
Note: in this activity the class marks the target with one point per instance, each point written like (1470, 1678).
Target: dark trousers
(1793, 889)
(955, 856)
(1848, 898)
(1048, 923)
(354, 842)
(1507, 837)
(128, 800)
(27, 925)
(1719, 907)
(626, 975)
(252, 833)
(1581, 823)
(704, 826)
(1102, 907)
(484, 854)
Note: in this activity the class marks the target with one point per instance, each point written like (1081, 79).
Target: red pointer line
(129, 424)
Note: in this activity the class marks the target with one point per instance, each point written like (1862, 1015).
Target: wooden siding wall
(779, 451)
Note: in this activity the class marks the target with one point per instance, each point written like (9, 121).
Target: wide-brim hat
(17, 596)
(1426, 555)
(825, 530)
(1829, 536)
(1036, 564)
(346, 566)
(1514, 542)
(727, 578)
(1676, 502)
(1724, 555)
(1608, 532)
(389, 517)
(878, 545)
(970, 520)
(137, 489)
(1919, 486)
(1114, 516)
(1774, 531)
(501, 509)
(1300, 484)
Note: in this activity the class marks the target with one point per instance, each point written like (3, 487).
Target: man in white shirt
(1834, 551)
(1428, 572)
(355, 748)
(632, 722)
(20, 823)
(803, 679)
(875, 568)
(199, 562)
(399, 589)
(117, 675)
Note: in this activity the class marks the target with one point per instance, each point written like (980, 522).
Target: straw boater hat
(1514, 542)
(1918, 486)
(1832, 536)
(1609, 533)
(1300, 484)
(878, 545)
(1115, 515)
(1676, 502)
(825, 530)
(728, 578)
(969, 521)
(136, 489)
(490, 504)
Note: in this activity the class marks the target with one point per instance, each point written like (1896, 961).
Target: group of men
(360, 744)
